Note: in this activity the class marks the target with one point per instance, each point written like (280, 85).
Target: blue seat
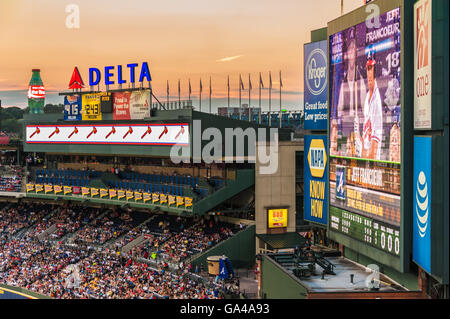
(181, 191)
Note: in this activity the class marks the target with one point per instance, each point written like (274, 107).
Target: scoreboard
(368, 230)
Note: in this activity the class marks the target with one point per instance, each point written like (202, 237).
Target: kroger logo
(316, 72)
(422, 204)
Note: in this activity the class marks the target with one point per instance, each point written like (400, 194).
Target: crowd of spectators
(64, 271)
(10, 178)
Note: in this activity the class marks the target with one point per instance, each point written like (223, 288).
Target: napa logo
(316, 72)
(422, 207)
(317, 158)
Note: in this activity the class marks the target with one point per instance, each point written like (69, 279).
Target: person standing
(369, 144)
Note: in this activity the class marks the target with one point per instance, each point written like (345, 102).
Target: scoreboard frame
(401, 262)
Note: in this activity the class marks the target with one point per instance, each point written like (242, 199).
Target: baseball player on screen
(369, 145)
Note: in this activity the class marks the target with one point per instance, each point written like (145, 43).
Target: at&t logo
(422, 206)
(316, 72)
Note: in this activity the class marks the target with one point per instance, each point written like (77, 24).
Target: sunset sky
(179, 39)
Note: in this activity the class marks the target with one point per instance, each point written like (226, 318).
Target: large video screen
(365, 131)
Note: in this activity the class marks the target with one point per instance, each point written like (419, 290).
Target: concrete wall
(277, 189)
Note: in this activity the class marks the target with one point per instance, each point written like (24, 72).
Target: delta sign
(316, 168)
(130, 73)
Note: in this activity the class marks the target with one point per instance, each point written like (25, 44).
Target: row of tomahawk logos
(123, 133)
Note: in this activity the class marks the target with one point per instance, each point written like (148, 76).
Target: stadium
(117, 194)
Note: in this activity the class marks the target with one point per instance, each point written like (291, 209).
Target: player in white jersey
(369, 145)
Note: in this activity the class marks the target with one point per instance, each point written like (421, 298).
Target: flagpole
(189, 90)
(179, 98)
(270, 98)
(281, 85)
(249, 99)
(240, 85)
(260, 83)
(228, 88)
(167, 94)
(200, 103)
(210, 92)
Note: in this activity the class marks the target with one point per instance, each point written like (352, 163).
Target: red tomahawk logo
(56, 131)
(149, 130)
(94, 131)
(130, 130)
(35, 132)
(180, 132)
(113, 131)
(165, 131)
(75, 131)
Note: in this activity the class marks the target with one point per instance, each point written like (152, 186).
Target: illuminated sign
(110, 74)
(422, 202)
(316, 80)
(317, 158)
(76, 82)
(365, 132)
(277, 218)
(422, 64)
(72, 108)
(90, 107)
(316, 186)
(121, 134)
(36, 92)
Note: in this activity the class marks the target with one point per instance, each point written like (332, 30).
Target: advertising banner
(120, 194)
(39, 188)
(422, 203)
(72, 108)
(365, 132)
(30, 187)
(147, 197)
(172, 200)
(131, 134)
(36, 92)
(155, 197)
(277, 218)
(90, 107)
(139, 104)
(316, 172)
(131, 105)
(315, 85)
(121, 105)
(422, 64)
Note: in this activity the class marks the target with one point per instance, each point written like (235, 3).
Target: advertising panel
(131, 105)
(72, 108)
(315, 85)
(422, 202)
(106, 102)
(140, 104)
(316, 172)
(422, 64)
(365, 132)
(277, 218)
(123, 134)
(90, 107)
(121, 105)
